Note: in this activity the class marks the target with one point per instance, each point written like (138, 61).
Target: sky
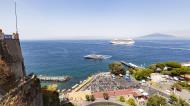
(95, 19)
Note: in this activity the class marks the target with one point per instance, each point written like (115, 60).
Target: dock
(130, 65)
(54, 78)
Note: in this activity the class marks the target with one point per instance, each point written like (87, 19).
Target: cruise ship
(123, 41)
(97, 57)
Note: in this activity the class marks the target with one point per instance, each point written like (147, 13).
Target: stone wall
(11, 54)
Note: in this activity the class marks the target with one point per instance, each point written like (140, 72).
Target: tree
(177, 101)
(131, 102)
(140, 74)
(160, 65)
(117, 68)
(156, 100)
(92, 98)
(173, 98)
(50, 98)
(122, 99)
(87, 98)
(173, 64)
(152, 67)
(106, 96)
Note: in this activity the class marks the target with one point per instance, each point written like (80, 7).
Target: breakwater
(54, 78)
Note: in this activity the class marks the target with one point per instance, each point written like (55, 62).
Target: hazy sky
(95, 19)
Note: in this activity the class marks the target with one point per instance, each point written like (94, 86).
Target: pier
(130, 65)
(54, 78)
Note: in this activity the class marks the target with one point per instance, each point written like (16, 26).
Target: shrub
(184, 84)
(122, 99)
(156, 100)
(142, 74)
(173, 64)
(160, 65)
(173, 98)
(178, 101)
(131, 102)
(92, 98)
(117, 68)
(87, 98)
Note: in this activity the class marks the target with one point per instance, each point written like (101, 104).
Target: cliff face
(16, 89)
(26, 93)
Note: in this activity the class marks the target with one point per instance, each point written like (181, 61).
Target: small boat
(97, 57)
(122, 41)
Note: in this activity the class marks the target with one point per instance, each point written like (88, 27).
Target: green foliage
(160, 65)
(184, 84)
(182, 102)
(87, 98)
(131, 102)
(152, 67)
(106, 96)
(173, 98)
(140, 74)
(173, 64)
(173, 68)
(156, 100)
(177, 101)
(92, 98)
(117, 68)
(51, 98)
(121, 99)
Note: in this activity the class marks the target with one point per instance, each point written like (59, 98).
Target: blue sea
(66, 57)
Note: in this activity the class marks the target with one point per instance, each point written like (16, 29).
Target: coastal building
(156, 77)
(187, 64)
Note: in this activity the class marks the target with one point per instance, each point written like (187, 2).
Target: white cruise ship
(123, 41)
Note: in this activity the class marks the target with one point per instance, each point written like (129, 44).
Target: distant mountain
(157, 36)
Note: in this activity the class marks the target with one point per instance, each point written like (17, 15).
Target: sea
(66, 57)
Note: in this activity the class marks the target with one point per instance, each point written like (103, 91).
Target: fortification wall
(27, 93)
(11, 54)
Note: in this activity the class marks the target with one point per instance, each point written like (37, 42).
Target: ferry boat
(123, 41)
(97, 57)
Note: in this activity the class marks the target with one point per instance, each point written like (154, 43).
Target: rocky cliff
(27, 93)
(16, 89)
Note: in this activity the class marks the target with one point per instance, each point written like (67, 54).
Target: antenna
(16, 17)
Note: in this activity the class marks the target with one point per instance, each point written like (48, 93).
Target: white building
(156, 77)
(187, 64)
